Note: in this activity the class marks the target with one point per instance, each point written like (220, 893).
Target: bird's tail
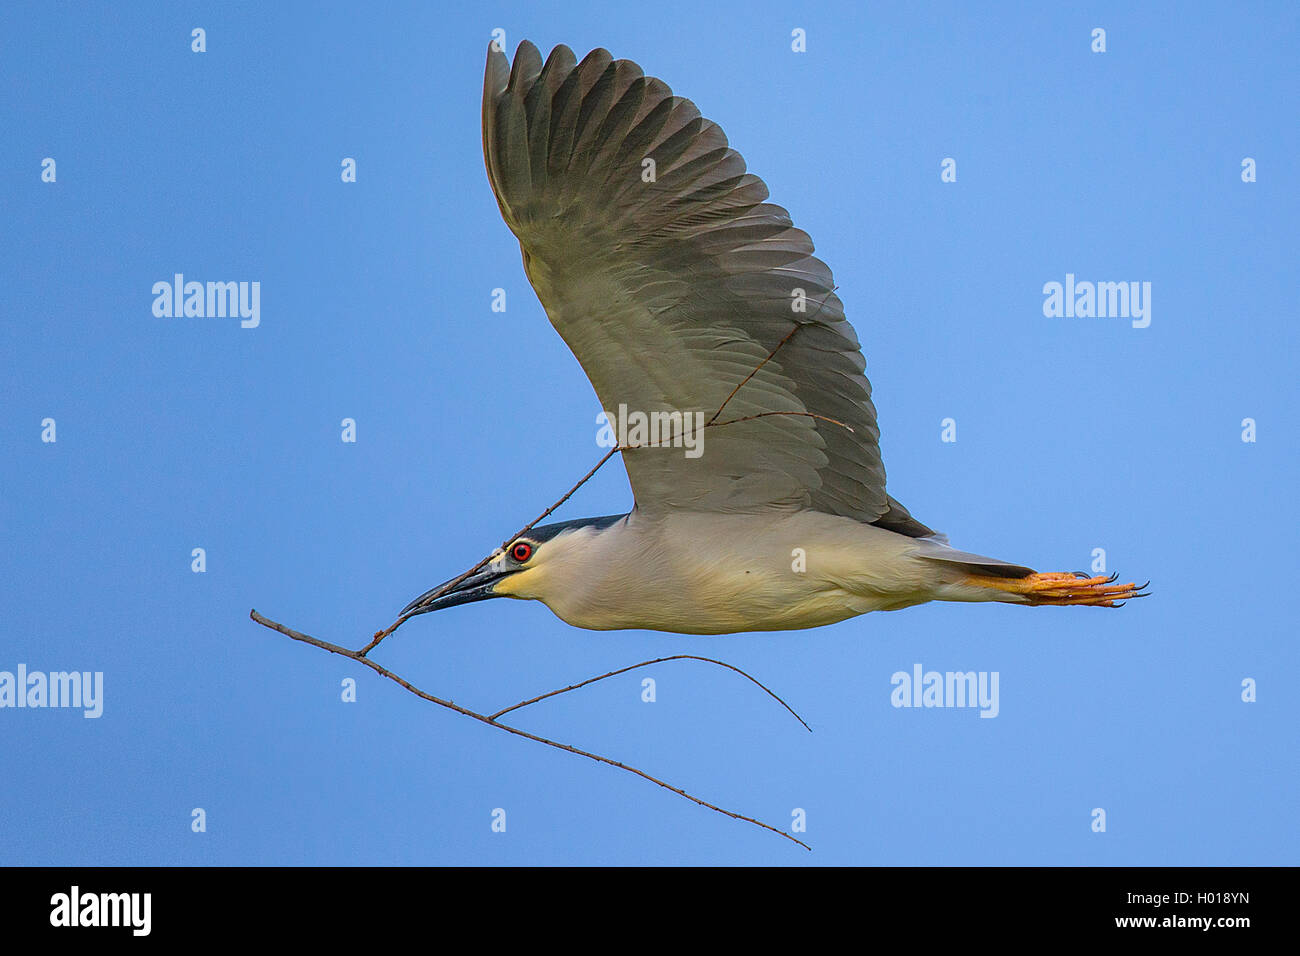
(974, 577)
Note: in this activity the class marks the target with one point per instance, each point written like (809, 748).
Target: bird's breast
(717, 574)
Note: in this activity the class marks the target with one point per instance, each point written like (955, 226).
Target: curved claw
(1063, 589)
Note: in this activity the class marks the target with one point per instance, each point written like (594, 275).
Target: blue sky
(1072, 434)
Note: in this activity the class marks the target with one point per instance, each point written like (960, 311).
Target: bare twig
(750, 418)
(757, 368)
(657, 660)
(380, 635)
(465, 711)
(771, 355)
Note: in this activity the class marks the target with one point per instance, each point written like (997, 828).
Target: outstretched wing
(671, 279)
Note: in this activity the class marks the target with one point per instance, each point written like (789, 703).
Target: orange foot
(1061, 588)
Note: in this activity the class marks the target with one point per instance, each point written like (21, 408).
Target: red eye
(522, 551)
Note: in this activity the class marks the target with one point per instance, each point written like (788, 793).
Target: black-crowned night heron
(695, 304)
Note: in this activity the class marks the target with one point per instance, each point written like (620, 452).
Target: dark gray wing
(671, 291)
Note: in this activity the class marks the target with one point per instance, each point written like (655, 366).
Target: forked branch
(493, 722)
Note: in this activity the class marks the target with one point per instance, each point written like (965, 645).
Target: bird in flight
(693, 302)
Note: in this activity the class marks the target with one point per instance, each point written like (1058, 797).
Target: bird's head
(526, 568)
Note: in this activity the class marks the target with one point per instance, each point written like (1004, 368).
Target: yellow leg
(1061, 588)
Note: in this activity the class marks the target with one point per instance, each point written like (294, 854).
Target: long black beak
(476, 587)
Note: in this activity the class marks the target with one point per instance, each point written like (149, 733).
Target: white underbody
(707, 573)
